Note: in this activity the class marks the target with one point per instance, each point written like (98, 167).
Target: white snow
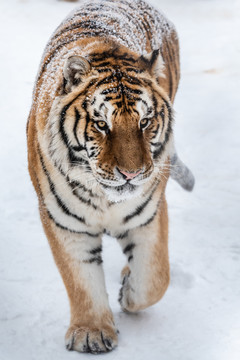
(199, 317)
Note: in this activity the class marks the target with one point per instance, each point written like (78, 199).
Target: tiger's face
(117, 119)
(119, 148)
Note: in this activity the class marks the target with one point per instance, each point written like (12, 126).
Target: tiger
(100, 152)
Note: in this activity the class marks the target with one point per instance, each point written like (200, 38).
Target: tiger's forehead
(109, 109)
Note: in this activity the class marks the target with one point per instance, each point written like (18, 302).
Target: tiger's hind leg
(78, 258)
(146, 277)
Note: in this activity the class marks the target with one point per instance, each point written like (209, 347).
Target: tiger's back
(133, 24)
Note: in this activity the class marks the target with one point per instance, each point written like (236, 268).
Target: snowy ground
(199, 317)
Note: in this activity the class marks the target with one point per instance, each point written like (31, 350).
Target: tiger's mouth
(121, 193)
(121, 188)
(117, 193)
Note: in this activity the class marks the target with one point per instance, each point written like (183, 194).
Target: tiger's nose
(129, 176)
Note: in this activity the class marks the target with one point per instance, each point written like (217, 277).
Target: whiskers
(75, 179)
(172, 168)
(178, 172)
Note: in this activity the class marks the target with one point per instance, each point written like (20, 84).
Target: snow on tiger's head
(113, 118)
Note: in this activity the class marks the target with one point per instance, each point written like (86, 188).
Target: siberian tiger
(100, 144)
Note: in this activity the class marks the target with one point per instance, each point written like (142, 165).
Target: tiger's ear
(155, 63)
(74, 69)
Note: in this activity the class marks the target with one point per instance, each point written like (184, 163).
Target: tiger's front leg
(78, 258)
(146, 277)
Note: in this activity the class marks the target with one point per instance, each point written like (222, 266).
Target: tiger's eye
(144, 123)
(102, 125)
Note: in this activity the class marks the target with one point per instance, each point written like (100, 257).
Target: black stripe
(122, 235)
(133, 81)
(96, 113)
(153, 215)
(113, 90)
(94, 100)
(129, 63)
(157, 144)
(128, 90)
(104, 70)
(96, 250)
(140, 208)
(168, 131)
(70, 230)
(132, 69)
(154, 56)
(96, 259)
(120, 296)
(62, 119)
(51, 217)
(134, 110)
(75, 184)
(86, 201)
(155, 103)
(59, 201)
(150, 219)
(99, 57)
(106, 80)
(129, 247)
(147, 82)
(103, 64)
(112, 54)
(170, 119)
(93, 154)
(130, 103)
(77, 118)
(87, 138)
(109, 98)
(130, 258)
(162, 115)
(63, 114)
(119, 104)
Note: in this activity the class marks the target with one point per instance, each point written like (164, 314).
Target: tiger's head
(115, 119)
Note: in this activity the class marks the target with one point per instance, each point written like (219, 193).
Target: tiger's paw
(126, 294)
(131, 299)
(91, 340)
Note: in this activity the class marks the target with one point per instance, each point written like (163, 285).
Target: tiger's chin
(121, 193)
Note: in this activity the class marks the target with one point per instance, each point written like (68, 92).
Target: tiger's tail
(181, 173)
